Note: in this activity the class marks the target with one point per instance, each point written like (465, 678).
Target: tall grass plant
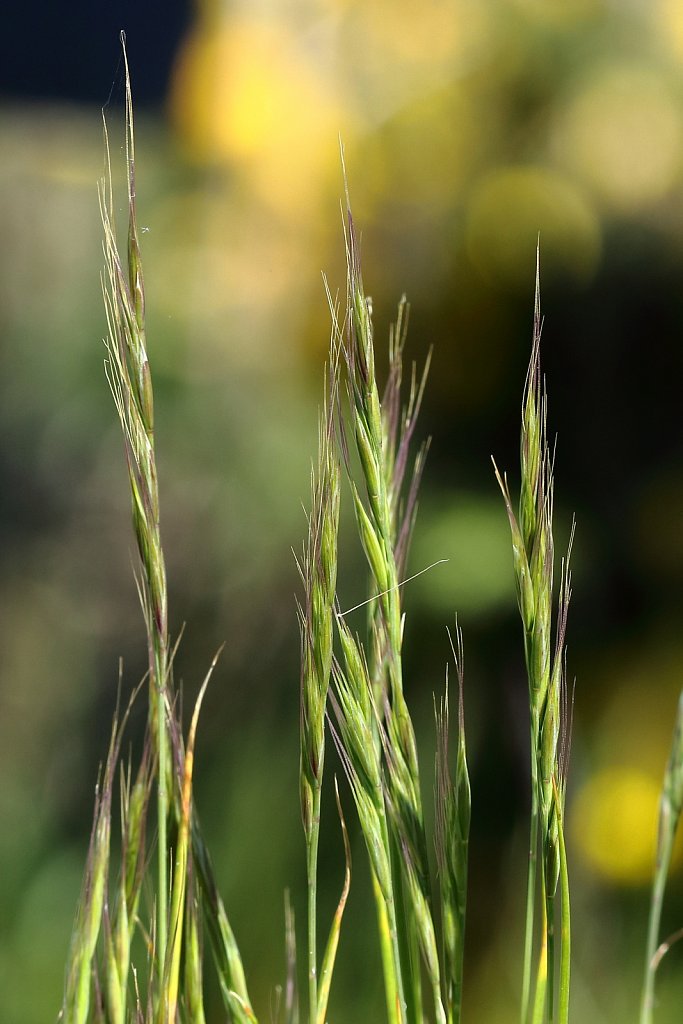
(137, 951)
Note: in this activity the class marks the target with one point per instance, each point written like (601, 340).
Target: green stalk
(531, 883)
(312, 874)
(162, 812)
(329, 956)
(542, 971)
(565, 946)
(387, 951)
(550, 914)
(670, 803)
(658, 888)
(452, 805)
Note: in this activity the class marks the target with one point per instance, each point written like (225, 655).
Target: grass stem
(531, 885)
(670, 804)
(654, 922)
(312, 872)
(565, 944)
(550, 988)
(542, 971)
(387, 953)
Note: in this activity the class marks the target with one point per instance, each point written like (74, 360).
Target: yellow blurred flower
(613, 824)
(247, 93)
(669, 15)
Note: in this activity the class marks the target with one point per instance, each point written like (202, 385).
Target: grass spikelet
(385, 513)
(134, 804)
(533, 555)
(360, 756)
(129, 378)
(383, 434)
(319, 576)
(359, 753)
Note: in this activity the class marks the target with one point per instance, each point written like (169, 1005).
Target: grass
(141, 923)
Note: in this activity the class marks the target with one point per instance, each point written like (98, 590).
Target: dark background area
(69, 52)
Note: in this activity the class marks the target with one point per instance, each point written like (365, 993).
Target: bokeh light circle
(512, 206)
(622, 135)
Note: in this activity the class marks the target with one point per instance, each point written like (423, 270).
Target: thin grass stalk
(412, 871)
(533, 551)
(664, 853)
(530, 914)
(556, 852)
(329, 957)
(130, 381)
(531, 513)
(312, 876)
(565, 947)
(550, 916)
(397, 984)
(541, 970)
(387, 951)
(670, 805)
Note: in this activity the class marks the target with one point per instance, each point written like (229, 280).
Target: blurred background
(469, 127)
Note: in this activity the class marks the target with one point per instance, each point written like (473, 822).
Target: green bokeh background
(468, 129)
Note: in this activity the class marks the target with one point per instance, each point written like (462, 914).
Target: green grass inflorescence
(351, 689)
